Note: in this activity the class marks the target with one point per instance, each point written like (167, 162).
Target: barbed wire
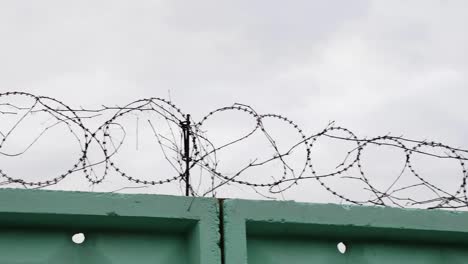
(187, 147)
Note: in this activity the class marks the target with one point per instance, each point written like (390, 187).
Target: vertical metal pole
(186, 131)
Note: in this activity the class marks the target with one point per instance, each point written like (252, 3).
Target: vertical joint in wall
(221, 230)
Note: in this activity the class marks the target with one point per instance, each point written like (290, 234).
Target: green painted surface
(268, 250)
(37, 227)
(52, 247)
(286, 232)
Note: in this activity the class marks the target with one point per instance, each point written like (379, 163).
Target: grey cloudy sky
(372, 66)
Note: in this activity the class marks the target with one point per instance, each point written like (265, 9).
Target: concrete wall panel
(37, 227)
(264, 232)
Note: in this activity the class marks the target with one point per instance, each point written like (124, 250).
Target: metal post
(186, 131)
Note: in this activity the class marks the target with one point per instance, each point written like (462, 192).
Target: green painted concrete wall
(37, 226)
(286, 232)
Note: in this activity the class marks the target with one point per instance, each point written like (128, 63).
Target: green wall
(37, 227)
(286, 232)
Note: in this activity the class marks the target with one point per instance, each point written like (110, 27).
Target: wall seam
(221, 230)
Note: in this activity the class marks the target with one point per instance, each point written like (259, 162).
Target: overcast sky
(372, 66)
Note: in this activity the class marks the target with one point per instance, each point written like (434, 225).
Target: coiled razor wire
(191, 145)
